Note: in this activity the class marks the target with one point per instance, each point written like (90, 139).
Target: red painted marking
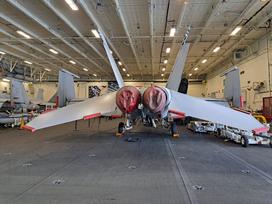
(87, 117)
(242, 111)
(29, 128)
(116, 116)
(178, 117)
(177, 113)
(260, 130)
(241, 102)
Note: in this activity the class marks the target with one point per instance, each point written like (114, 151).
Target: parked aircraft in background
(153, 105)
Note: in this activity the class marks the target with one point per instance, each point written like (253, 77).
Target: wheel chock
(175, 136)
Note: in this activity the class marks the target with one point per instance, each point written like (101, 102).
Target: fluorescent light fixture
(162, 75)
(72, 62)
(196, 68)
(204, 61)
(85, 69)
(27, 62)
(23, 34)
(190, 74)
(46, 69)
(95, 32)
(163, 69)
(124, 69)
(120, 63)
(165, 61)
(72, 5)
(168, 50)
(53, 51)
(128, 75)
(5, 80)
(236, 30)
(172, 32)
(2, 53)
(216, 49)
(95, 75)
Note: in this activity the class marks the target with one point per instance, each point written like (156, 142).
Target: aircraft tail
(39, 96)
(232, 90)
(18, 93)
(66, 89)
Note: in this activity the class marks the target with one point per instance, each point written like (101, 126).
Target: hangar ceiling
(137, 31)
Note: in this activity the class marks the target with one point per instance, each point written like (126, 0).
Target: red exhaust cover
(154, 99)
(128, 98)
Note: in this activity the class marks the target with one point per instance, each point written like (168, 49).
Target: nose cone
(128, 98)
(154, 99)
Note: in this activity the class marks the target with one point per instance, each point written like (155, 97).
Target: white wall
(255, 69)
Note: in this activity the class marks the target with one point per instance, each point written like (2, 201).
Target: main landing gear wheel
(244, 141)
(121, 129)
(270, 143)
(173, 130)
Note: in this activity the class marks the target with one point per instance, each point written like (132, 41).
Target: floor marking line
(265, 176)
(182, 173)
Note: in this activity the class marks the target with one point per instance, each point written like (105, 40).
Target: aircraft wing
(198, 108)
(90, 108)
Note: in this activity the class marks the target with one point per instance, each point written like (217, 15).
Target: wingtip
(29, 128)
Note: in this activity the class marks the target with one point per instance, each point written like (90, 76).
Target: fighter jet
(154, 106)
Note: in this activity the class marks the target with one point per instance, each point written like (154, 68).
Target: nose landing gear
(173, 130)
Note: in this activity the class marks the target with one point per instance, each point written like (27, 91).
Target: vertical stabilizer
(232, 87)
(66, 89)
(175, 77)
(18, 92)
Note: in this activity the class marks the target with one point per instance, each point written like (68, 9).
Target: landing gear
(244, 141)
(270, 143)
(121, 129)
(173, 130)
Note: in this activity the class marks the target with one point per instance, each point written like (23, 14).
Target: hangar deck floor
(59, 165)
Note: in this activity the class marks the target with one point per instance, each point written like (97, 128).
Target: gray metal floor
(59, 165)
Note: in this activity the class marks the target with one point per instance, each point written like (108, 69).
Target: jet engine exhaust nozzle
(128, 99)
(155, 99)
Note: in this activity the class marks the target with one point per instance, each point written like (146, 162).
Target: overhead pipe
(47, 27)
(7, 18)
(61, 16)
(127, 33)
(98, 25)
(37, 49)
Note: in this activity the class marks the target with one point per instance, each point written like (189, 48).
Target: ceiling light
(204, 61)
(72, 62)
(27, 62)
(5, 80)
(85, 69)
(2, 53)
(72, 4)
(168, 50)
(196, 68)
(190, 74)
(128, 75)
(162, 75)
(236, 30)
(163, 69)
(53, 51)
(110, 51)
(46, 69)
(95, 32)
(124, 69)
(165, 61)
(172, 32)
(23, 34)
(120, 63)
(216, 49)
(95, 75)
